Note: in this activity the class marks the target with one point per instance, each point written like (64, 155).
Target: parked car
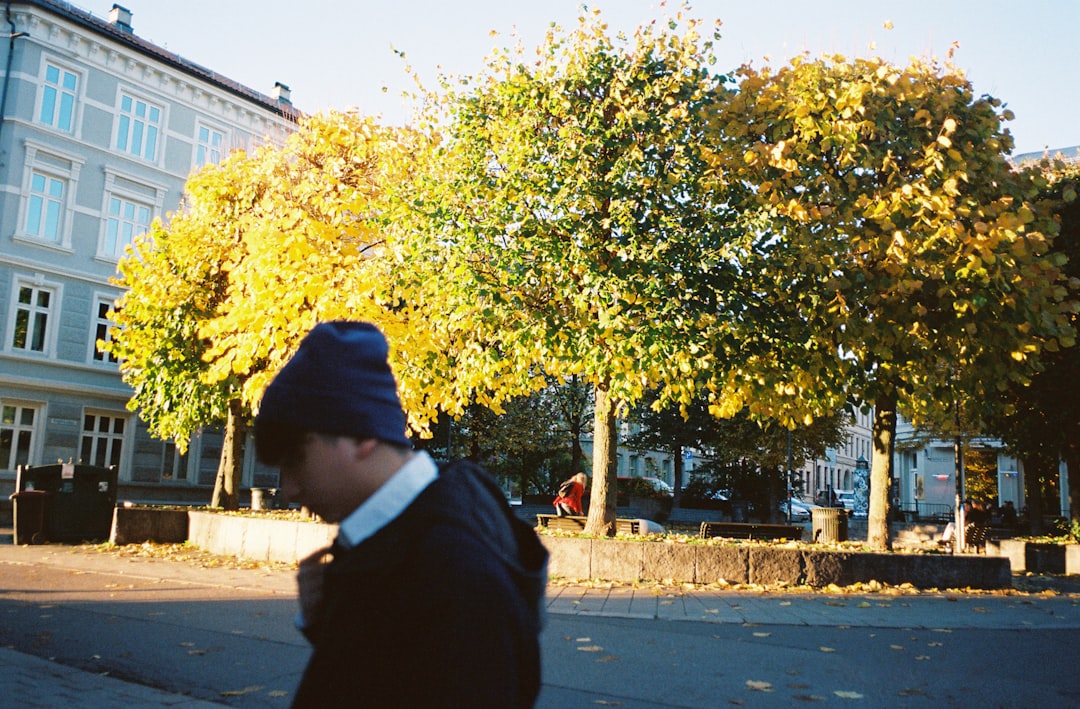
(846, 498)
(799, 510)
(643, 487)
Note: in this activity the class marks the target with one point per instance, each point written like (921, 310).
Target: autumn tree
(264, 246)
(1041, 420)
(174, 282)
(314, 249)
(573, 202)
(901, 262)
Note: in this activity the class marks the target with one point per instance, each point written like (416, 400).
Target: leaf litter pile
(186, 553)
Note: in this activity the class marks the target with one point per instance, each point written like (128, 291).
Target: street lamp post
(788, 476)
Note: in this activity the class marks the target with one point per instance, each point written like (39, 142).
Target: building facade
(836, 470)
(99, 130)
(925, 473)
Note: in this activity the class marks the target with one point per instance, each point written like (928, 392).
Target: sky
(340, 54)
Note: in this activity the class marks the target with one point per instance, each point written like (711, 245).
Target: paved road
(80, 628)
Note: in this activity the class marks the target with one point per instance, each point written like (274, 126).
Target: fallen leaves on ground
(186, 553)
(670, 589)
(240, 692)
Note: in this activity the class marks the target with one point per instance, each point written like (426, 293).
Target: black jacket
(440, 608)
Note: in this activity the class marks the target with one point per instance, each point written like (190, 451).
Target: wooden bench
(577, 524)
(975, 536)
(749, 530)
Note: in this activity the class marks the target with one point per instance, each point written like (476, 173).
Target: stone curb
(628, 561)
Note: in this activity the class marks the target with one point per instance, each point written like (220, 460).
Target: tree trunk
(601, 520)
(775, 478)
(884, 437)
(227, 483)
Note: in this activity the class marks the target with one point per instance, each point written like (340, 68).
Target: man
(431, 595)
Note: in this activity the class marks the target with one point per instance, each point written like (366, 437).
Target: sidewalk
(29, 681)
(32, 681)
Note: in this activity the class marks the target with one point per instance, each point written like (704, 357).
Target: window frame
(199, 145)
(111, 438)
(127, 227)
(52, 316)
(75, 94)
(35, 431)
(44, 208)
(95, 356)
(139, 192)
(132, 127)
(46, 161)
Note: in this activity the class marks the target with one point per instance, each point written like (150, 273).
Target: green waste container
(81, 501)
(829, 524)
(28, 509)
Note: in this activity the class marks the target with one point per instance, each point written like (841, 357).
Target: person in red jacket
(568, 502)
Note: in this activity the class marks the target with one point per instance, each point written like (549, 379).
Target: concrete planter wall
(262, 539)
(1037, 557)
(269, 539)
(135, 525)
(617, 560)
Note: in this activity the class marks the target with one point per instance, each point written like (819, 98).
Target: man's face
(322, 477)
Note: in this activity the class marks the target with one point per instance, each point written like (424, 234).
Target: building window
(33, 313)
(102, 324)
(102, 439)
(58, 98)
(45, 205)
(208, 145)
(125, 221)
(17, 423)
(137, 131)
(50, 178)
(174, 465)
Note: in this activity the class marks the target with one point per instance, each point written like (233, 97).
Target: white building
(99, 130)
(925, 473)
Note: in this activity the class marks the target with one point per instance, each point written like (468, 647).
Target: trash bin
(28, 509)
(263, 498)
(80, 508)
(829, 524)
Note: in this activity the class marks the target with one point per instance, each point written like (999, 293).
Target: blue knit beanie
(338, 383)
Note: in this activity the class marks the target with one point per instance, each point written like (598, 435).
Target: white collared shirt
(389, 501)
